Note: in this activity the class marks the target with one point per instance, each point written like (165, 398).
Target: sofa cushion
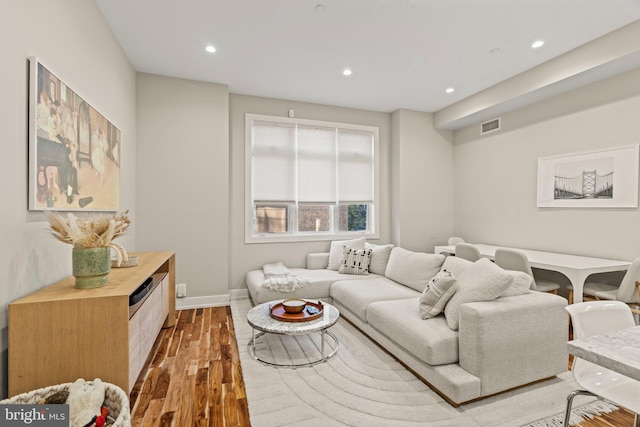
(355, 261)
(413, 269)
(356, 295)
(482, 281)
(520, 284)
(438, 292)
(379, 257)
(455, 265)
(429, 340)
(335, 252)
(318, 287)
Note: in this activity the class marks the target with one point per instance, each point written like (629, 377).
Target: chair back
(510, 259)
(468, 252)
(596, 318)
(455, 240)
(599, 317)
(627, 292)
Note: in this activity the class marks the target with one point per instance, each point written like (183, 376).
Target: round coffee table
(260, 320)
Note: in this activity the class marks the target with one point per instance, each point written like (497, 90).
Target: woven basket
(114, 398)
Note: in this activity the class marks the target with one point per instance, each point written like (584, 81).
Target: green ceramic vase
(91, 266)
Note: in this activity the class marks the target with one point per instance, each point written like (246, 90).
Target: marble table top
(618, 351)
(259, 318)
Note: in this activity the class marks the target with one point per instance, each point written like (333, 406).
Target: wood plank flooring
(193, 377)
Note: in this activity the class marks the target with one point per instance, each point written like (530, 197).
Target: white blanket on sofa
(279, 278)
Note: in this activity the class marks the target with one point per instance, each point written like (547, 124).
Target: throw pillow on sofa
(438, 292)
(379, 257)
(520, 284)
(335, 252)
(456, 265)
(413, 269)
(355, 261)
(482, 281)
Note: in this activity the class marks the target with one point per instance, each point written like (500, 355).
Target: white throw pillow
(335, 252)
(438, 292)
(413, 269)
(456, 265)
(355, 261)
(379, 257)
(520, 284)
(482, 281)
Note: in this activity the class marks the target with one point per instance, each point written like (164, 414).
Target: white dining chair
(511, 259)
(468, 251)
(596, 318)
(455, 240)
(628, 291)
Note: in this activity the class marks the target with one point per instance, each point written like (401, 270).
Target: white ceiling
(403, 53)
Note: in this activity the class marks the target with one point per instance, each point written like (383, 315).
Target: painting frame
(598, 178)
(74, 151)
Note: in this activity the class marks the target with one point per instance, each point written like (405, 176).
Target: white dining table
(576, 268)
(618, 350)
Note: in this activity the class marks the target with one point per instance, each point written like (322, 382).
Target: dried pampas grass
(91, 232)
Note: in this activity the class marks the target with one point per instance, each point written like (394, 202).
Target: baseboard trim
(238, 294)
(201, 302)
(211, 300)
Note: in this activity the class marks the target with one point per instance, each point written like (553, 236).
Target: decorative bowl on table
(131, 262)
(293, 305)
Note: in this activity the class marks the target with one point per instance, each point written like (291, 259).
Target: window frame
(293, 235)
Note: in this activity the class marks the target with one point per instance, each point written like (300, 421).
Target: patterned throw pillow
(355, 261)
(437, 293)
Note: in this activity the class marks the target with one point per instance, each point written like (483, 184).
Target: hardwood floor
(193, 377)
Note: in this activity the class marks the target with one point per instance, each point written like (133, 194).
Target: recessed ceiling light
(210, 48)
(536, 44)
(320, 8)
(347, 72)
(449, 90)
(494, 50)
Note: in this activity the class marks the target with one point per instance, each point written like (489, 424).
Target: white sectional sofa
(492, 345)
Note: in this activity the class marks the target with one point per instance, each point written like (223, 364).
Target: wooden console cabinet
(59, 333)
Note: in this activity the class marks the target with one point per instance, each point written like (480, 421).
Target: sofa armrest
(513, 341)
(317, 260)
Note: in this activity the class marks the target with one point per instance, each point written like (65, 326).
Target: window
(309, 180)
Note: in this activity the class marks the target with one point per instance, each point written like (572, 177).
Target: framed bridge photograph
(606, 178)
(74, 151)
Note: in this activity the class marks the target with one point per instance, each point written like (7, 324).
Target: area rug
(364, 386)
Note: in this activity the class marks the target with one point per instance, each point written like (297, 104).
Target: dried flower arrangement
(91, 232)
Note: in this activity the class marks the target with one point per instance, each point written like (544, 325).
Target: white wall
(72, 39)
(183, 180)
(421, 182)
(496, 175)
(245, 257)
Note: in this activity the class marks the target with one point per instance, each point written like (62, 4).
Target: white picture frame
(600, 178)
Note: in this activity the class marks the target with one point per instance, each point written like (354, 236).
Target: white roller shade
(317, 165)
(355, 167)
(273, 163)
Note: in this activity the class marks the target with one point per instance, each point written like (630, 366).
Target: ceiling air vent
(490, 126)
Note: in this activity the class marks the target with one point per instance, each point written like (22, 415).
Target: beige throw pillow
(335, 252)
(438, 292)
(456, 265)
(379, 257)
(413, 269)
(520, 284)
(482, 281)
